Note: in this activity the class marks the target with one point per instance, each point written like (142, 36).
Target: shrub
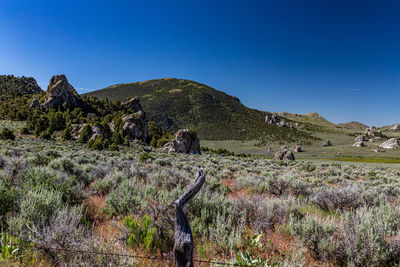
(338, 199)
(36, 208)
(45, 135)
(85, 134)
(142, 234)
(7, 134)
(66, 134)
(25, 130)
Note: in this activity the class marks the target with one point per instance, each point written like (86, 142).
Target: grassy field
(56, 196)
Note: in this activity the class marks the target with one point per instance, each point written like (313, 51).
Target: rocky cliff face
(184, 142)
(59, 92)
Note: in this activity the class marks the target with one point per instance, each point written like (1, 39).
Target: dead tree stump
(183, 248)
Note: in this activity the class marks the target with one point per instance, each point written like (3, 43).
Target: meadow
(59, 197)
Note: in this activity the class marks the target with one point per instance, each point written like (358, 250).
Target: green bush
(7, 134)
(142, 234)
(85, 134)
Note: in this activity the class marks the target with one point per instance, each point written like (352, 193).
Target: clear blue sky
(338, 58)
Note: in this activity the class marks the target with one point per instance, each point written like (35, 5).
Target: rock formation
(271, 119)
(284, 155)
(184, 142)
(327, 143)
(135, 126)
(360, 138)
(392, 143)
(359, 144)
(59, 92)
(133, 104)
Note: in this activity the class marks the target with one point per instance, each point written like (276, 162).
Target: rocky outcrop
(395, 127)
(284, 155)
(135, 126)
(34, 104)
(271, 119)
(184, 142)
(360, 138)
(327, 143)
(392, 143)
(133, 104)
(359, 144)
(59, 92)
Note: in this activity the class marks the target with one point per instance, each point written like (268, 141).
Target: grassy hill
(311, 118)
(353, 125)
(214, 114)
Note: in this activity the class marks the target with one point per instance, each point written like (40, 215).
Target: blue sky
(338, 58)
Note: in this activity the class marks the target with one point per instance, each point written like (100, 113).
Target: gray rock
(359, 144)
(392, 143)
(184, 142)
(297, 148)
(284, 155)
(134, 126)
(59, 92)
(134, 105)
(327, 143)
(360, 138)
(271, 119)
(395, 127)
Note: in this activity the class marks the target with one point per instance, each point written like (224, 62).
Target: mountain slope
(212, 113)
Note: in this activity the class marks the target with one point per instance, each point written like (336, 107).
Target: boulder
(284, 155)
(184, 142)
(269, 150)
(271, 119)
(395, 127)
(134, 105)
(360, 138)
(59, 92)
(34, 104)
(376, 150)
(327, 143)
(77, 129)
(297, 148)
(134, 126)
(359, 144)
(392, 143)
(282, 124)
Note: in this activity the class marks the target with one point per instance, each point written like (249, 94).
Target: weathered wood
(183, 248)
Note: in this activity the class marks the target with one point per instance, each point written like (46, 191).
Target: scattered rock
(284, 155)
(282, 124)
(284, 148)
(360, 138)
(271, 119)
(392, 143)
(327, 143)
(59, 92)
(184, 142)
(297, 148)
(34, 104)
(359, 144)
(269, 150)
(376, 150)
(395, 127)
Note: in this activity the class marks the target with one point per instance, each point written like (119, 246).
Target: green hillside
(18, 86)
(215, 115)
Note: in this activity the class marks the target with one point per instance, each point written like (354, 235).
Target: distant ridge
(353, 125)
(312, 117)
